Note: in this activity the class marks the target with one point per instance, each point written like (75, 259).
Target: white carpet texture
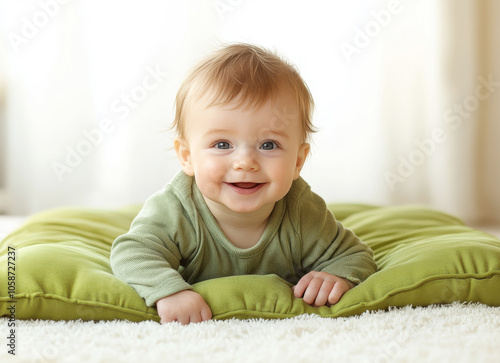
(451, 333)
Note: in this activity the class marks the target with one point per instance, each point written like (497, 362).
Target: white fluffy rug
(451, 333)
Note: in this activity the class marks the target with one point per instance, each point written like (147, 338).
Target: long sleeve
(146, 257)
(326, 245)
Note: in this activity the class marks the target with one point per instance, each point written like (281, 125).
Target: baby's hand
(320, 288)
(185, 307)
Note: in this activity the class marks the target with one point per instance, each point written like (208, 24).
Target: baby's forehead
(279, 103)
(277, 110)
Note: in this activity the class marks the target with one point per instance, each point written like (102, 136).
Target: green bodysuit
(175, 241)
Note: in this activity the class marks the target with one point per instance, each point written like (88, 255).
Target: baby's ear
(301, 159)
(184, 155)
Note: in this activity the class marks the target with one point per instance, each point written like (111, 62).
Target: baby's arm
(332, 257)
(321, 288)
(149, 256)
(185, 307)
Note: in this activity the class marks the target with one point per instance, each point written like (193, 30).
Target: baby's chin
(242, 208)
(248, 209)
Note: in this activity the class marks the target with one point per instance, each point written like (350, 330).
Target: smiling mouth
(246, 185)
(246, 188)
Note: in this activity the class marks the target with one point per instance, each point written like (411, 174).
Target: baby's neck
(244, 230)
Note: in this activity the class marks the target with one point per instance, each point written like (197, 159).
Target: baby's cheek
(284, 180)
(209, 179)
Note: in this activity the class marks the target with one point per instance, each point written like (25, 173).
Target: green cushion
(425, 257)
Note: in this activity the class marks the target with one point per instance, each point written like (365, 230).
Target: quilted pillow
(57, 267)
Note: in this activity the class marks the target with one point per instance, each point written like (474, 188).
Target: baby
(239, 205)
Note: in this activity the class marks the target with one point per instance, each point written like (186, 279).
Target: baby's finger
(195, 318)
(206, 314)
(184, 320)
(324, 293)
(312, 290)
(167, 319)
(300, 288)
(337, 291)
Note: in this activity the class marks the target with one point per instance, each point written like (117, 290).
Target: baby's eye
(223, 145)
(268, 145)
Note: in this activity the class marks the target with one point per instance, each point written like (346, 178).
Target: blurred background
(407, 96)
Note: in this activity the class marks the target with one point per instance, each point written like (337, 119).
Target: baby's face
(243, 159)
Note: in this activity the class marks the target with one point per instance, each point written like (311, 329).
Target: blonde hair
(249, 72)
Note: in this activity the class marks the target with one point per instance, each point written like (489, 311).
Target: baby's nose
(246, 161)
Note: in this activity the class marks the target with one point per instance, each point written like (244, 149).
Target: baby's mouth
(246, 185)
(246, 188)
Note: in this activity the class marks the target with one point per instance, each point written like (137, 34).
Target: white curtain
(441, 100)
(89, 89)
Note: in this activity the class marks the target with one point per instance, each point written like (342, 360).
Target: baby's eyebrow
(269, 132)
(218, 131)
